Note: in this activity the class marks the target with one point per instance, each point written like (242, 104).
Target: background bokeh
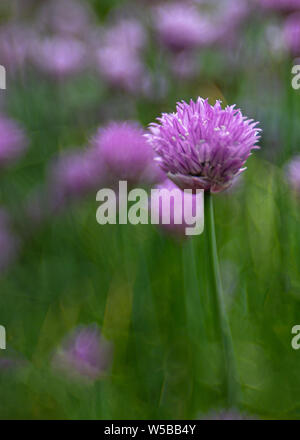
(116, 321)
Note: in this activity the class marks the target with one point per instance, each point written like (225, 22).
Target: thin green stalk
(232, 385)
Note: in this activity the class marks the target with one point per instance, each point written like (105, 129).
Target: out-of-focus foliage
(148, 292)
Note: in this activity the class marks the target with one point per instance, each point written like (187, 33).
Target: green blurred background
(148, 292)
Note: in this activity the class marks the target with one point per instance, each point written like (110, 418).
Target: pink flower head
(59, 56)
(291, 33)
(84, 354)
(123, 149)
(12, 141)
(201, 146)
(180, 26)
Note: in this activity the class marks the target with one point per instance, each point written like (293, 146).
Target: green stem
(232, 385)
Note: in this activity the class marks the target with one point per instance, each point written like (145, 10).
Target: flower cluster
(201, 146)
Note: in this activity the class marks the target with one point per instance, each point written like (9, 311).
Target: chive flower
(203, 146)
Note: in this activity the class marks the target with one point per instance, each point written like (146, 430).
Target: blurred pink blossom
(13, 141)
(73, 175)
(120, 67)
(84, 354)
(124, 151)
(283, 5)
(291, 33)
(118, 58)
(65, 17)
(292, 171)
(15, 45)
(59, 56)
(181, 26)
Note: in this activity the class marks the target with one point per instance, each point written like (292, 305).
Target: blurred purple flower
(292, 171)
(65, 17)
(13, 141)
(281, 5)
(120, 67)
(72, 176)
(9, 244)
(225, 17)
(84, 354)
(128, 33)
(291, 33)
(180, 26)
(229, 16)
(203, 146)
(59, 56)
(118, 57)
(15, 45)
(188, 203)
(125, 153)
